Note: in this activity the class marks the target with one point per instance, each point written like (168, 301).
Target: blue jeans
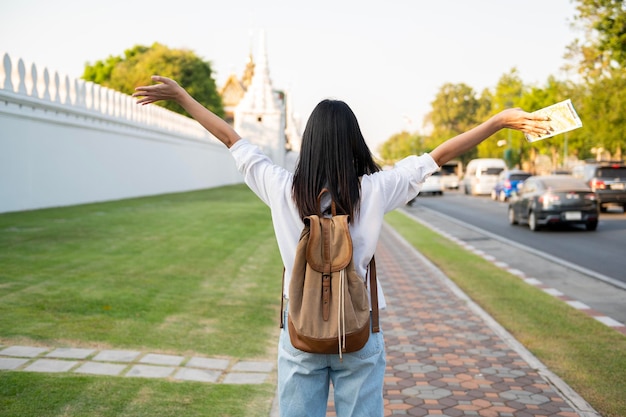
(304, 380)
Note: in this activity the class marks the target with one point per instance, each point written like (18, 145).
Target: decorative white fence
(65, 141)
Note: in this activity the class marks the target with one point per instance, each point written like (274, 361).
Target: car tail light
(507, 184)
(549, 200)
(590, 196)
(597, 184)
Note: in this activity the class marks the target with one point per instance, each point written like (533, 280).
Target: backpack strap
(374, 295)
(326, 274)
(282, 302)
(326, 252)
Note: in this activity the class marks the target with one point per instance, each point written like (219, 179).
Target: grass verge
(46, 395)
(193, 273)
(587, 355)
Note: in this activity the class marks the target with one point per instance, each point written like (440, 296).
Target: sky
(387, 60)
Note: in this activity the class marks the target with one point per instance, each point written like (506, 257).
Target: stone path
(132, 363)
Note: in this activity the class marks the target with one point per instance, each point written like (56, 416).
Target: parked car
(561, 172)
(451, 172)
(607, 180)
(432, 185)
(552, 200)
(481, 175)
(508, 183)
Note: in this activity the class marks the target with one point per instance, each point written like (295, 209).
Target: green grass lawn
(40, 395)
(193, 273)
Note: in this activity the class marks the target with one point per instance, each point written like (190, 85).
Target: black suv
(607, 180)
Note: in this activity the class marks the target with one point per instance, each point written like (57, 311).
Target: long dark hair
(333, 155)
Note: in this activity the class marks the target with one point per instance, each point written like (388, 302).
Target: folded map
(563, 118)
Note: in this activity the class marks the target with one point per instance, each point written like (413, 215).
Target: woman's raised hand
(166, 89)
(523, 121)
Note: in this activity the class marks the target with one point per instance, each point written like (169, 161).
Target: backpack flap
(329, 240)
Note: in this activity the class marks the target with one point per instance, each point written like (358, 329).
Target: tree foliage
(134, 68)
(560, 147)
(400, 146)
(601, 59)
(454, 111)
(603, 109)
(505, 144)
(603, 48)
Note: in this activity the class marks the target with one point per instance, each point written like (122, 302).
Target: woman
(333, 155)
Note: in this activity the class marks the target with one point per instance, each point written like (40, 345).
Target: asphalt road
(601, 251)
(586, 266)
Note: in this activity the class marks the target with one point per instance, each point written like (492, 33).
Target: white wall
(65, 142)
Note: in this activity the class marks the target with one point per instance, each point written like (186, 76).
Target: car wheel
(512, 219)
(502, 196)
(603, 208)
(592, 225)
(532, 221)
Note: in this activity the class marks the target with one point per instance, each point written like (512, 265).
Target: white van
(451, 172)
(481, 175)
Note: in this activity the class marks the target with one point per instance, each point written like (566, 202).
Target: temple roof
(232, 91)
(259, 96)
(246, 79)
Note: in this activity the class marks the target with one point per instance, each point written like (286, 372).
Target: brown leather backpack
(329, 311)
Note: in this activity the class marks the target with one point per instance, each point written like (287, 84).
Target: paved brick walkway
(447, 357)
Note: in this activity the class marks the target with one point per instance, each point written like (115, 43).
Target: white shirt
(381, 192)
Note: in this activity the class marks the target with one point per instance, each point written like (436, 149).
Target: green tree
(400, 146)
(454, 111)
(604, 24)
(506, 144)
(603, 115)
(124, 73)
(600, 58)
(558, 147)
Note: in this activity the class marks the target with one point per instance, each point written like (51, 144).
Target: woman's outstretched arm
(168, 89)
(510, 118)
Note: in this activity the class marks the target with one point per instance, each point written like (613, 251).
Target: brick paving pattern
(443, 359)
